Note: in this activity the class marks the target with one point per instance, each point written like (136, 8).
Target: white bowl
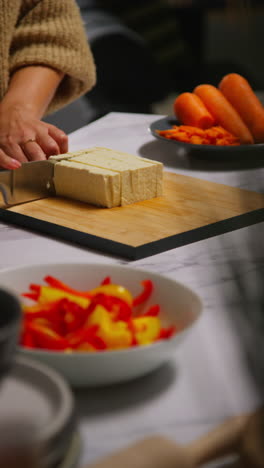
(179, 306)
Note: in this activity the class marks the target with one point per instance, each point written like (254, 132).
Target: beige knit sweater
(50, 33)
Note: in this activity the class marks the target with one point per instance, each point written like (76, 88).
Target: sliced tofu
(88, 184)
(138, 178)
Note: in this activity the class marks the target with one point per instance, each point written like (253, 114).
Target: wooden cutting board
(190, 210)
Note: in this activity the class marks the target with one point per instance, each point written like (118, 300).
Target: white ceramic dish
(205, 151)
(179, 306)
(35, 393)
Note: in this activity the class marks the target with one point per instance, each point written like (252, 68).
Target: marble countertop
(217, 372)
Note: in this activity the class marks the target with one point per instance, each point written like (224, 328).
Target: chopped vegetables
(103, 318)
(228, 115)
(145, 294)
(198, 136)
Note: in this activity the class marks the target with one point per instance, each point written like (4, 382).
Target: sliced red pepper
(51, 313)
(99, 298)
(57, 326)
(73, 315)
(35, 292)
(66, 316)
(34, 295)
(27, 339)
(40, 310)
(131, 327)
(46, 338)
(95, 300)
(145, 294)
(166, 333)
(153, 311)
(61, 324)
(97, 342)
(55, 283)
(119, 308)
(106, 280)
(82, 335)
(87, 335)
(35, 287)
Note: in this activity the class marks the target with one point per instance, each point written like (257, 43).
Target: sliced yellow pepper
(147, 329)
(114, 290)
(116, 335)
(85, 347)
(49, 294)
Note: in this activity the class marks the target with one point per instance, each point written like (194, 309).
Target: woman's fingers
(6, 162)
(33, 151)
(60, 137)
(48, 144)
(25, 138)
(14, 150)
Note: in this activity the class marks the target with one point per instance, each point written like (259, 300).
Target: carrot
(239, 93)
(224, 113)
(210, 136)
(190, 110)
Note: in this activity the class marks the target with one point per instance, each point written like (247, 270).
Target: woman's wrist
(8, 106)
(31, 89)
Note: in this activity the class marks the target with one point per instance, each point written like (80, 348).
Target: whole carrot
(223, 112)
(239, 93)
(190, 110)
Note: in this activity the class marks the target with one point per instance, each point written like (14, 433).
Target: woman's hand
(23, 137)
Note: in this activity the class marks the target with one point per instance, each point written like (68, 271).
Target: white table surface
(217, 371)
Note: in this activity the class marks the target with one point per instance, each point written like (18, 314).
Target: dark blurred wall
(238, 39)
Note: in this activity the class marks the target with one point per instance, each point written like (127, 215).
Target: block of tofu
(106, 177)
(87, 183)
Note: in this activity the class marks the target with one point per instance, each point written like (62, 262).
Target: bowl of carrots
(100, 324)
(224, 120)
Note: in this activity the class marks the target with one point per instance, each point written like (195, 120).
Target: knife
(32, 181)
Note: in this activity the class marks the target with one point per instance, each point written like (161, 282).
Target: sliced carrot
(224, 112)
(196, 140)
(211, 136)
(239, 93)
(190, 110)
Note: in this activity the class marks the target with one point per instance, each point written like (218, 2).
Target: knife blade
(32, 181)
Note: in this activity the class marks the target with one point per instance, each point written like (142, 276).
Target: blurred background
(146, 52)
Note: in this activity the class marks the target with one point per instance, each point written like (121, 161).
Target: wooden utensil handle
(252, 441)
(159, 452)
(153, 452)
(221, 441)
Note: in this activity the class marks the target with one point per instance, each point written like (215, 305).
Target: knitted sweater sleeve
(51, 33)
